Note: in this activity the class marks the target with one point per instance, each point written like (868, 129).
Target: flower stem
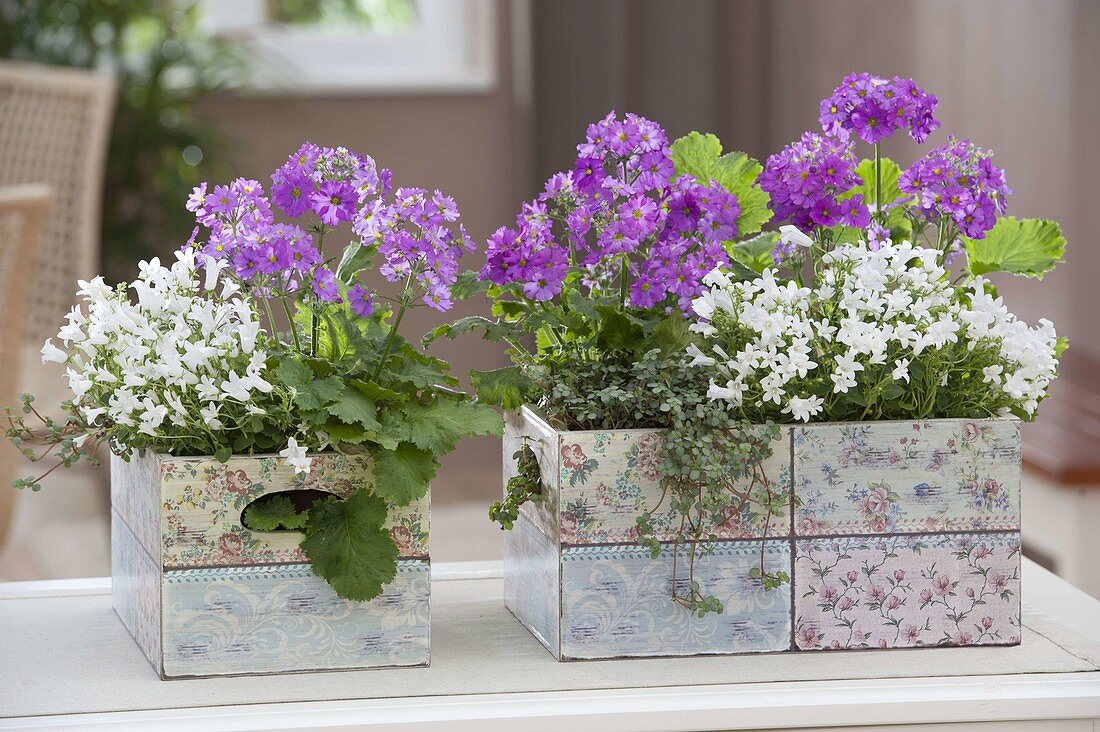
(878, 183)
(312, 311)
(293, 328)
(624, 282)
(390, 339)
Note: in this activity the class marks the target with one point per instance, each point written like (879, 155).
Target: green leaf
(468, 284)
(223, 453)
(503, 387)
(355, 259)
(492, 330)
(401, 475)
(353, 407)
(349, 545)
(272, 512)
(891, 172)
(617, 331)
(1027, 247)
(439, 425)
(319, 392)
(293, 372)
(351, 434)
(755, 253)
(670, 334)
(701, 156)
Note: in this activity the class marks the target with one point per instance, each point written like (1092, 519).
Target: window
(380, 46)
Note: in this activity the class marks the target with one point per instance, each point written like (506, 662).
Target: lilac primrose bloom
(874, 108)
(960, 181)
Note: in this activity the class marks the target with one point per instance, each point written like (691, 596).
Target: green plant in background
(159, 148)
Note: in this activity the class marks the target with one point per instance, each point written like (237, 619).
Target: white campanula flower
(872, 314)
(296, 456)
(174, 352)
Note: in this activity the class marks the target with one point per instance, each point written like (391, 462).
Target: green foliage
(891, 173)
(755, 253)
(522, 487)
(402, 474)
(273, 512)
(159, 147)
(348, 544)
(711, 462)
(506, 387)
(1027, 247)
(701, 156)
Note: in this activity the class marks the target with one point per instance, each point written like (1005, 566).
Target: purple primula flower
(222, 200)
(806, 179)
(334, 202)
(960, 181)
(874, 108)
(291, 190)
(877, 237)
(619, 205)
(324, 285)
(360, 300)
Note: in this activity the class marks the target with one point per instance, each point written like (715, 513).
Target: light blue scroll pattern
(616, 602)
(235, 620)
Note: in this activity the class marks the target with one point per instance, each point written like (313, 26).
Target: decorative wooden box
(204, 596)
(902, 534)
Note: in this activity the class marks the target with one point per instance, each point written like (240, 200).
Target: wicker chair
(23, 211)
(54, 125)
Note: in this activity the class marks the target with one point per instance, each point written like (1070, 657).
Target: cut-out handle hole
(282, 511)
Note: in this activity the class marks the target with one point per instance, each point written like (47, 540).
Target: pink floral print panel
(899, 477)
(908, 590)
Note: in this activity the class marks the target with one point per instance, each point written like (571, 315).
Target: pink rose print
(828, 594)
(925, 596)
(878, 524)
(963, 639)
(875, 593)
(846, 603)
(911, 634)
(573, 457)
(853, 576)
(892, 602)
(981, 551)
(568, 524)
(238, 481)
(998, 581)
(987, 622)
(899, 575)
(971, 432)
(230, 545)
(402, 538)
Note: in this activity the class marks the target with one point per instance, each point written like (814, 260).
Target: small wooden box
(896, 534)
(204, 596)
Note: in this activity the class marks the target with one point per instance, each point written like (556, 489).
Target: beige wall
(469, 145)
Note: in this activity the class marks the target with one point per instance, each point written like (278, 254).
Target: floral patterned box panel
(615, 602)
(901, 477)
(907, 590)
(868, 497)
(203, 500)
(203, 595)
(607, 478)
(281, 618)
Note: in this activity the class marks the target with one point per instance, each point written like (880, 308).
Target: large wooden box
(897, 534)
(204, 596)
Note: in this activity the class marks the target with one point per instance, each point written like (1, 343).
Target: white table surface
(66, 661)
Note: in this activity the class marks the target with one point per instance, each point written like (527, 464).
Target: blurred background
(110, 112)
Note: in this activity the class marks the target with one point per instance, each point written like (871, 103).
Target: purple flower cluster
(960, 181)
(874, 108)
(806, 179)
(417, 237)
(242, 230)
(415, 234)
(619, 206)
